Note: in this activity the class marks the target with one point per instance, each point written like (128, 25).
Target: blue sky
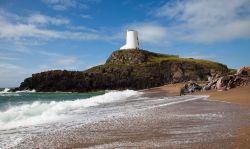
(75, 35)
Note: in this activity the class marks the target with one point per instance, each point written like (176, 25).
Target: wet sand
(239, 96)
(197, 123)
(151, 120)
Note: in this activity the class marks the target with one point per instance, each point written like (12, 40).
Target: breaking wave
(6, 90)
(26, 91)
(44, 112)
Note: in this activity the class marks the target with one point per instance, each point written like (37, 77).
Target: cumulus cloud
(207, 21)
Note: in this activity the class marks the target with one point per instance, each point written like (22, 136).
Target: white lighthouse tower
(132, 41)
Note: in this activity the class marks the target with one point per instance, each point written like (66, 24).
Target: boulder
(190, 88)
(243, 71)
(221, 84)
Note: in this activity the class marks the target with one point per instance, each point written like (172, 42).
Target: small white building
(132, 41)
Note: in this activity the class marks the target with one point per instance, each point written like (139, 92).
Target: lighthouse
(132, 41)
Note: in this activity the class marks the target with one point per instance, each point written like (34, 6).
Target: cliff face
(126, 69)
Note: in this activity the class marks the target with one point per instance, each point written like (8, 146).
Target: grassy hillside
(135, 57)
(206, 63)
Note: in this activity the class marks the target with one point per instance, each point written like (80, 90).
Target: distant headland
(127, 68)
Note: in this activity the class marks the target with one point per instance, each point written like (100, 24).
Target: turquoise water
(8, 100)
(29, 114)
(26, 108)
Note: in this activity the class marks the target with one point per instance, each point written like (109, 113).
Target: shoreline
(198, 123)
(166, 122)
(156, 117)
(239, 96)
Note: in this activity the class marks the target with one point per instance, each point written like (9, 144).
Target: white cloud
(207, 21)
(11, 74)
(60, 4)
(82, 28)
(42, 19)
(150, 32)
(58, 61)
(16, 31)
(64, 4)
(208, 57)
(20, 31)
(14, 47)
(50, 54)
(86, 16)
(65, 61)
(7, 58)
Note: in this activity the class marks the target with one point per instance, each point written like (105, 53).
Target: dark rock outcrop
(190, 88)
(134, 57)
(221, 83)
(125, 69)
(244, 71)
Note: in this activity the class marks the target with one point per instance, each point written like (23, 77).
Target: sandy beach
(153, 119)
(239, 96)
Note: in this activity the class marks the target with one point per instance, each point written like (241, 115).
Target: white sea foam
(39, 112)
(9, 94)
(6, 90)
(26, 91)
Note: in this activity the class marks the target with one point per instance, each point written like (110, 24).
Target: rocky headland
(126, 69)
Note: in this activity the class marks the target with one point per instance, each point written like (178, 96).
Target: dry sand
(240, 95)
(167, 90)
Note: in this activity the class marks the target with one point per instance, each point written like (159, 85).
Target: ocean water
(32, 111)
(29, 108)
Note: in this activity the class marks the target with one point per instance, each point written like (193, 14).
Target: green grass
(158, 58)
(145, 52)
(206, 63)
